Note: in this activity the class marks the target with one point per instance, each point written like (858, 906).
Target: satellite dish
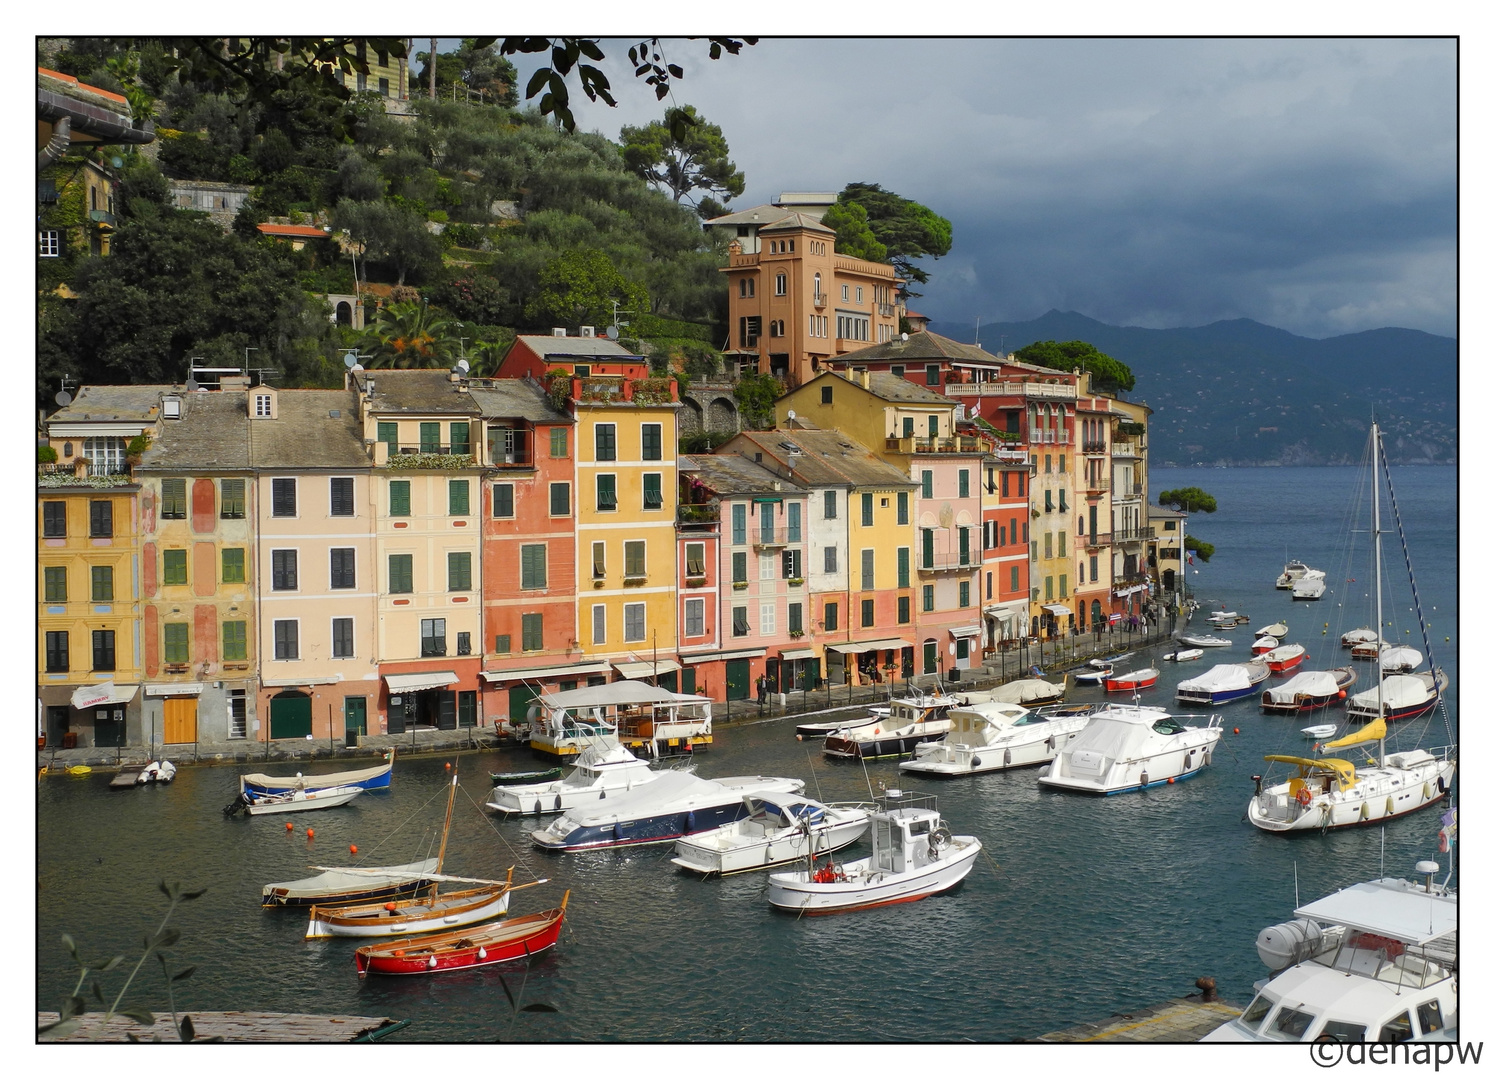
(350, 361)
(903, 337)
(117, 162)
(611, 333)
(191, 385)
(63, 398)
(463, 366)
(791, 414)
(356, 367)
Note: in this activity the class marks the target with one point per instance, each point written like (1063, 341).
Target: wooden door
(290, 715)
(179, 720)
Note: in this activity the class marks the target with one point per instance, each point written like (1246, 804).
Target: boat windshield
(1168, 726)
(1256, 1012)
(1029, 718)
(1289, 1024)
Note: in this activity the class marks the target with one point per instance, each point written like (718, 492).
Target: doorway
(739, 680)
(179, 720)
(290, 715)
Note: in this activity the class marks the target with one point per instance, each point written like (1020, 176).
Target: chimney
(234, 382)
(866, 379)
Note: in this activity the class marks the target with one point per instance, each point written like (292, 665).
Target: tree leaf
(540, 1007)
(168, 937)
(167, 890)
(185, 973)
(70, 945)
(187, 1031)
(59, 1028)
(677, 71)
(505, 984)
(536, 82)
(194, 894)
(140, 1015)
(114, 962)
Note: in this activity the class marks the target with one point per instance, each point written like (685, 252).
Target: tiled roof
(291, 230)
(504, 399)
(114, 403)
(306, 435)
(796, 219)
(211, 435)
(891, 387)
(824, 458)
(731, 474)
(420, 390)
(925, 345)
(544, 345)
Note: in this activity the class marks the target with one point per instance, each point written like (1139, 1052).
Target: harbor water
(1082, 907)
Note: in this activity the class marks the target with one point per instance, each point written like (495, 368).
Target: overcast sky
(1308, 184)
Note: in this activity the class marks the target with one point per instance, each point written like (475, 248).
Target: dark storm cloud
(1307, 184)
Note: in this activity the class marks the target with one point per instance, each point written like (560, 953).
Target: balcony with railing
(1133, 535)
(954, 444)
(511, 448)
(83, 473)
(939, 561)
(1012, 388)
(821, 299)
(430, 455)
(1126, 448)
(1095, 541)
(1093, 446)
(1097, 484)
(775, 538)
(705, 514)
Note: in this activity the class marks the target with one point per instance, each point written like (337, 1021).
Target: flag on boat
(1191, 558)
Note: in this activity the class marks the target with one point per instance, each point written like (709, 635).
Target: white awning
(87, 697)
(1128, 590)
(729, 654)
(973, 630)
(168, 689)
(82, 430)
(558, 671)
(324, 680)
(422, 680)
(796, 654)
(1057, 609)
(869, 646)
(644, 669)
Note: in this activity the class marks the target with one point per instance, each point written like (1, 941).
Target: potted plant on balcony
(796, 581)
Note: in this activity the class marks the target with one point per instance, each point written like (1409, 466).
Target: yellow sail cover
(1375, 731)
(1344, 771)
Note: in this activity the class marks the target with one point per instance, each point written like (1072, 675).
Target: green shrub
(45, 455)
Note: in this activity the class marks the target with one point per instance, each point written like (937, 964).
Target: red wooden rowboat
(1132, 680)
(479, 946)
(1285, 657)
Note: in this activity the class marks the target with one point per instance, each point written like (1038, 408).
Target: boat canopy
(1221, 677)
(1022, 691)
(788, 811)
(1343, 770)
(1402, 657)
(627, 692)
(1120, 731)
(1312, 683)
(1374, 731)
(1396, 692)
(1399, 910)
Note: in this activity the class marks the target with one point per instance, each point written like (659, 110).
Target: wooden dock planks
(233, 1027)
(1177, 1021)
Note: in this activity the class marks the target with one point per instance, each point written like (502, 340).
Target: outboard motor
(1289, 943)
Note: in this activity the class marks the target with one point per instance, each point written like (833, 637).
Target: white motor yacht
(778, 828)
(1131, 747)
(1310, 586)
(1291, 573)
(998, 735)
(910, 722)
(1376, 962)
(599, 773)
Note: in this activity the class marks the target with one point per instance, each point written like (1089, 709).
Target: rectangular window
(457, 504)
(739, 567)
(1094, 568)
(287, 639)
(54, 519)
(1062, 537)
(653, 438)
(532, 566)
(830, 506)
(927, 536)
(965, 483)
(173, 500)
(739, 523)
(283, 498)
(866, 508)
(101, 584)
(903, 567)
(740, 626)
(792, 561)
(934, 424)
(57, 658)
(49, 246)
(1012, 584)
(869, 559)
(607, 491)
(558, 442)
(767, 619)
(174, 642)
(174, 566)
(1063, 586)
(461, 438)
(503, 500)
(633, 622)
(832, 616)
(869, 612)
(988, 584)
(401, 574)
(282, 568)
(560, 500)
(342, 638)
(695, 617)
(101, 518)
(796, 618)
(695, 560)
(927, 479)
(794, 524)
(54, 580)
(599, 624)
(928, 597)
(1048, 588)
(233, 566)
(965, 594)
(236, 641)
(599, 559)
(342, 574)
(103, 650)
(532, 631)
(231, 499)
(501, 643)
(399, 498)
(430, 437)
(459, 571)
(464, 643)
(908, 427)
(780, 283)
(653, 491)
(389, 435)
(433, 637)
(607, 442)
(340, 496)
(964, 538)
(903, 508)
(765, 568)
(931, 375)
(830, 560)
(633, 558)
(903, 609)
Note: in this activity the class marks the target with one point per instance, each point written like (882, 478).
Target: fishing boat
(599, 773)
(776, 829)
(819, 729)
(343, 885)
(1203, 641)
(1291, 572)
(1126, 683)
(479, 946)
(630, 713)
(995, 735)
(675, 804)
(433, 910)
(1264, 644)
(910, 721)
(1284, 658)
(377, 776)
(1180, 655)
(1131, 747)
(288, 802)
(1375, 962)
(1333, 792)
(1308, 690)
(914, 855)
(1222, 683)
(1310, 586)
(1277, 630)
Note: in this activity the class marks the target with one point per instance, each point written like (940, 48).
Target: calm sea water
(1084, 907)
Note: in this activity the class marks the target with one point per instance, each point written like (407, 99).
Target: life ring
(1304, 797)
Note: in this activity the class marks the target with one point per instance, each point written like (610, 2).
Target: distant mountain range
(1241, 393)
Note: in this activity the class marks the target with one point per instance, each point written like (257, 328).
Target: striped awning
(974, 630)
(1057, 609)
(796, 654)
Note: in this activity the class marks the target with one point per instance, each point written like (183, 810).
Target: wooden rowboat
(509, 939)
(1132, 680)
(420, 914)
(288, 802)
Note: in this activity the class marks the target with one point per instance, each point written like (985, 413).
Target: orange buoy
(289, 826)
(391, 906)
(448, 764)
(1236, 731)
(1170, 779)
(310, 833)
(352, 849)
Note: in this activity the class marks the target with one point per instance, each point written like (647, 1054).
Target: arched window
(344, 313)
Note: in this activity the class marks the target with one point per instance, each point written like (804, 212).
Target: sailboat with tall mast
(1335, 792)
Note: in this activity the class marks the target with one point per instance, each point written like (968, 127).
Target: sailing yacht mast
(1375, 533)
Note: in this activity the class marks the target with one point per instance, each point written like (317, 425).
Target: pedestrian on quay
(762, 692)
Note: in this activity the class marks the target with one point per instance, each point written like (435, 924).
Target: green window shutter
(928, 482)
(101, 581)
(461, 439)
(231, 499)
(903, 612)
(174, 635)
(558, 442)
(965, 594)
(653, 442)
(503, 500)
(389, 434)
(795, 526)
(928, 597)
(458, 571)
(173, 499)
(866, 508)
(235, 641)
(926, 536)
(903, 568)
(796, 618)
(56, 584)
(739, 566)
(233, 566)
(869, 612)
(832, 616)
(908, 427)
(532, 627)
(456, 498)
(869, 562)
(399, 498)
(903, 508)
(532, 566)
(653, 491)
(739, 523)
(174, 566)
(607, 491)
(501, 643)
(560, 500)
(965, 546)
(401, 577)
(430, 438)
(965, 483)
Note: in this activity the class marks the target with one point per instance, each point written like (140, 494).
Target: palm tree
(411, 335)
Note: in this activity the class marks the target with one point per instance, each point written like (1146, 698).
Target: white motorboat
(1310, 586)
(1308, 690)
(1222, 683)
(1277, 630)
(1131, 747)
(819, 729)
(1319, 731)
(777, 829)
(1180, 655)
(287, 802)
(630, 713)
(1094, 676)
(910, 722)
(1203, 641)
(673, 805)
(1376, 962)
(599, 773)
(1291, 573)
(998, 735)
(914, 855)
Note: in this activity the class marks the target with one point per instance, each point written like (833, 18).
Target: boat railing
(898, 799)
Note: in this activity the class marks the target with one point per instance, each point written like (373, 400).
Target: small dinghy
(287, 802)
(1132, 680)
(479, 946)
(1285, 658)
(1204, 641)
(1094, 676)
(1264, 644)
(1277, 630)
(1184, 654)
(1319, 731)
